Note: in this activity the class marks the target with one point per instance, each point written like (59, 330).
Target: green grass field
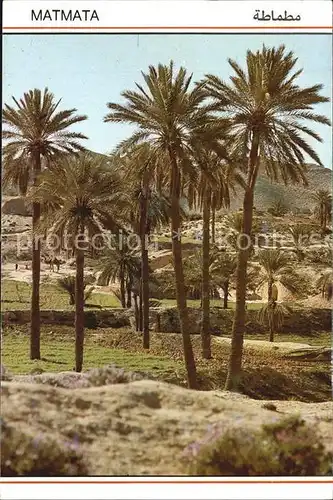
(58, 354)
(266, 375)
(214, 303)
(17, 294)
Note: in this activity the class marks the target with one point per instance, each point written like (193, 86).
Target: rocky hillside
(135, 428)
(294, 197)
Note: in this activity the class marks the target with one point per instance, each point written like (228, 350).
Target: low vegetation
(267, 374)
(288, 447)
(17, 295)
(29, 455)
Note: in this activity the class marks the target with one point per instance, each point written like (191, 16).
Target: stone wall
(111, 318)
(300, 321)
(304, 320)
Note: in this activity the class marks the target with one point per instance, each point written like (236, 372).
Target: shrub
(90, 320)
(27, 455)
(67, 283)
(278, 209)
(288, 447)
(320, 256)
(110, 374)
(163, 286)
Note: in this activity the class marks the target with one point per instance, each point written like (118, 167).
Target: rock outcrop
(141, 427)
(16, 206)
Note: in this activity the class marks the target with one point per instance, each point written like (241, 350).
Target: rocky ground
(141, 427)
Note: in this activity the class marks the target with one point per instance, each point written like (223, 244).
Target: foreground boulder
(135, 428)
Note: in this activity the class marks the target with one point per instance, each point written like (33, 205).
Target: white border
(142, 490)
(200, 15)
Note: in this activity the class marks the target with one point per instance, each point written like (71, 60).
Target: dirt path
(269, 346)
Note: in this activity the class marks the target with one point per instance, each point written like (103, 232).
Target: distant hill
(293, 196)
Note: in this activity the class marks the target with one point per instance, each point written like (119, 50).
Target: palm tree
(324, 284)
(35, 134)
(276, 268)
(123, 265)
(222, 269)
(79, 195)
(235, 224)
(323, 208)
(267, 110)
(216, 177)
(300, 234)
(273, 315)
(148, 210)
(67, 283)
(168, 115)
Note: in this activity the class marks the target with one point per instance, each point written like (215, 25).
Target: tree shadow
(15, 301)
(48, 360)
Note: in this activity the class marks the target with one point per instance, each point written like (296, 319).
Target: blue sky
(87, 71)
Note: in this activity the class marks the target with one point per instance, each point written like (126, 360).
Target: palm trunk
(269, 290)
(321, 211)
(122, 286)
(145, 296)
(36, 250)
(270, 304)
(179, 273)
(226, 292)
(271, 333)
(325, 218)
(129, 286)
(79, 310)
(136, 310)
(235, 361)
(205, 329)
(140, 308)
(144, 262)
(213, 226)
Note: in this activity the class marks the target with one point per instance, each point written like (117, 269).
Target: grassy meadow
(267, 374)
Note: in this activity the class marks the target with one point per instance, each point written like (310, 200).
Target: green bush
(90, 320)
(286, 448)
(27, 455)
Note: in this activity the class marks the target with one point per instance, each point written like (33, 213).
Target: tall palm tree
(216, 178)
(168, 115)
(267, 109)
(323, 208)
(79, 197)
(148, 210)
(276, 268)
(35, 133)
